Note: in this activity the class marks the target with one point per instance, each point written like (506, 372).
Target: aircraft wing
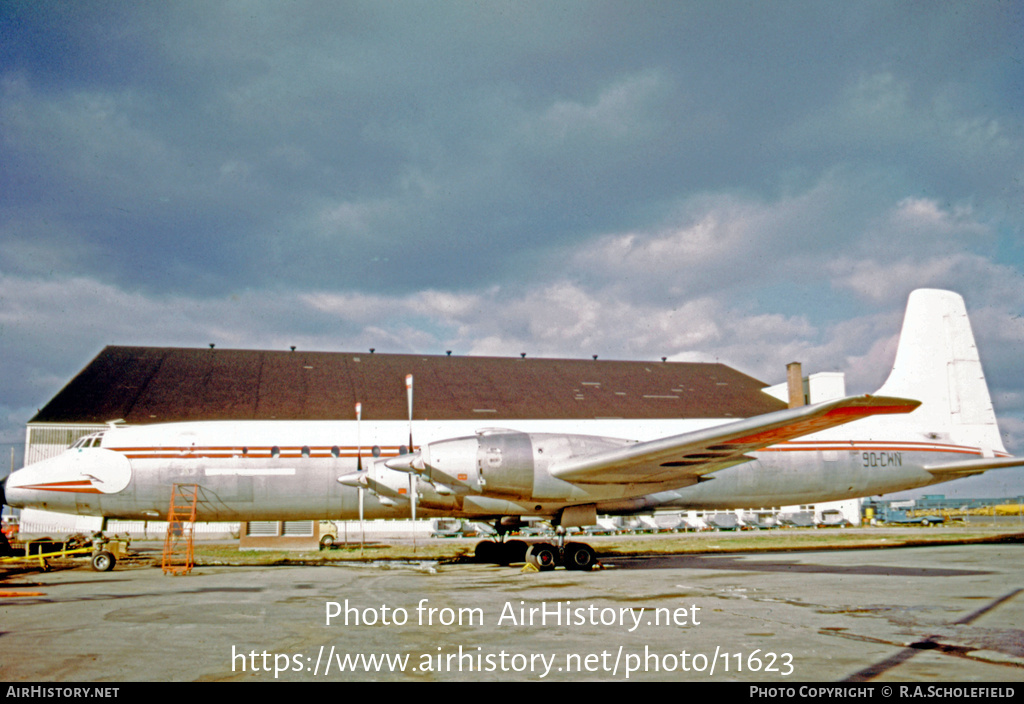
(686, 458)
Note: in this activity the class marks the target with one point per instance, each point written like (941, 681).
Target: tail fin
(937, 363)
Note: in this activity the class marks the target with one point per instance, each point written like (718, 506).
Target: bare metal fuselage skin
(250, 478)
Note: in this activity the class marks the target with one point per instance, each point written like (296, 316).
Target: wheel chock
(529, 567)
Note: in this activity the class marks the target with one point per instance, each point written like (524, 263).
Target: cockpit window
(93, 440)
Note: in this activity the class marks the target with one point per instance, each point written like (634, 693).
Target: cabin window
(245, 451)
(376, 450)
(275, 451)
(305, 450)
(336, 451)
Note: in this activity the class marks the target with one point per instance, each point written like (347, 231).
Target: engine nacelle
(496, 463)
(510, 464)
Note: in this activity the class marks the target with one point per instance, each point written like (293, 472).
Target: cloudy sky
(748, 182)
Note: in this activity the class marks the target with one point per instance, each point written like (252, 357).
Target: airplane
(932, 421)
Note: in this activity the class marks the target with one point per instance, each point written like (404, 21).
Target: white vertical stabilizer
(937, 363)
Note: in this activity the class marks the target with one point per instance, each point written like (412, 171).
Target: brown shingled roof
(164, 384)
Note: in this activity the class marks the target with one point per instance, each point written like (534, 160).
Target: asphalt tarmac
(924, 614)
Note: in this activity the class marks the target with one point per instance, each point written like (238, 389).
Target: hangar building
(140, 385)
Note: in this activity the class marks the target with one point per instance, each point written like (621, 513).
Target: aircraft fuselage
(266, 471)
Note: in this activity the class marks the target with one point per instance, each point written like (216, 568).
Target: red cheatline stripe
(75, 487)
(69, 484)
(4, 595)
(263, 452)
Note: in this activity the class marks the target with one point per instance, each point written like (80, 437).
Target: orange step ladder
(181, 520)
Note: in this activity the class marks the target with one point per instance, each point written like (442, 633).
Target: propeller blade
(362, 531)
(361, 481)
(408, 393)
(359, 441)
(414, 498)
(413, 495)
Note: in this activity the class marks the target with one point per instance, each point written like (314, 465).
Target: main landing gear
(572, 556)
(543, 556)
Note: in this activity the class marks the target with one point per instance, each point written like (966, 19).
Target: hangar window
(263, 528)
(297, 528)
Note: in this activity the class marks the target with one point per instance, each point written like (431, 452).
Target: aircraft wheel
(579, 556)
(103, 561)
(543, 556)
(327, 542)
(486, 551)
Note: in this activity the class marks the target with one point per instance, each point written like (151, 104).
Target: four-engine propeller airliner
(932, 421)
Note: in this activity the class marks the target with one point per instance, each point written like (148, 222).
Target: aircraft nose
(84, 471)
(13, 494)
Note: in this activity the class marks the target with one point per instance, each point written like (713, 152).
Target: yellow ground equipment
(104, 553)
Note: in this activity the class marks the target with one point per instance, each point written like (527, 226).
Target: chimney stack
(795, 383)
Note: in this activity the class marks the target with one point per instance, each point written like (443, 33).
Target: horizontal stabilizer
(965, 468)
(684, 459)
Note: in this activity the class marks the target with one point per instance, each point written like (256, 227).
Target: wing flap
(686, 458)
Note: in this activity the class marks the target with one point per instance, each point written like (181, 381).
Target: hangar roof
(164, 384)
